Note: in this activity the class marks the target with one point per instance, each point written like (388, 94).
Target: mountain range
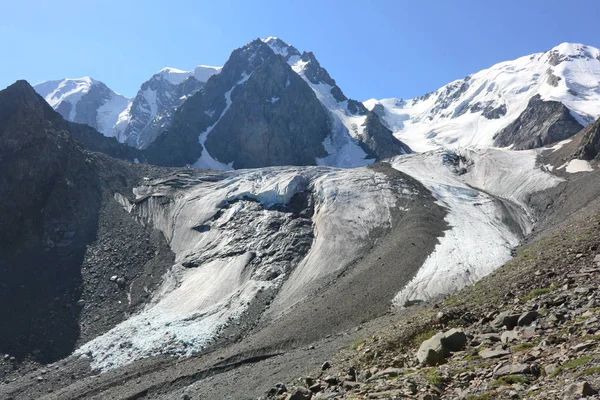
(234, 226)
(555, 90)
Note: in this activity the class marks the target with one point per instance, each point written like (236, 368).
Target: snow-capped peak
(570, 51)
(176, 76)
(470, 111)
(84, 100)
(65, 89)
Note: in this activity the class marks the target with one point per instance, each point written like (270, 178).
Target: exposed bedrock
(542, 123)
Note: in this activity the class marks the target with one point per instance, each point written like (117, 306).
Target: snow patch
(343, 150)
(576, 165)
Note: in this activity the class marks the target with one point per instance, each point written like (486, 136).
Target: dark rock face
(93, 140)
(491, 112)
(273, 117)
(378, 141)
(62, 233)
(542, 123)
(50, 201)
(590, 142)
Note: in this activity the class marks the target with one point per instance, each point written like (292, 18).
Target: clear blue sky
(372, 48)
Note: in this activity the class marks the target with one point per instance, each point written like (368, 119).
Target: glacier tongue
(241, 238)
(479, 240)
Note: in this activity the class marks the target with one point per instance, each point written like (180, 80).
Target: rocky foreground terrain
(529, 330)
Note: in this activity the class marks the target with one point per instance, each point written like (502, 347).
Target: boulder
(490, 353)
(507, 319)
(579, 389)
(349, 385)
(454, 340)
(550, 369)
(299, 394)
(388, 372)
(527, 318)
(509, 336)
(433, 351)
(512, 369)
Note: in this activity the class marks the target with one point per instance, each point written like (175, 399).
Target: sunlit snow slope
(86, 101)
(469, 111)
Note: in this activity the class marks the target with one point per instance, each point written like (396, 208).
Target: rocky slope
(58, 203)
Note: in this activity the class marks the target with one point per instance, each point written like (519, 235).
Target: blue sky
(372, 48)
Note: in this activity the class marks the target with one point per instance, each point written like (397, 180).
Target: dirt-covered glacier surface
(248, 244)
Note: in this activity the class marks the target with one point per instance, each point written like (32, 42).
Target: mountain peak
(20, 95)
(572, 51)
(280, 47)
(21, 85)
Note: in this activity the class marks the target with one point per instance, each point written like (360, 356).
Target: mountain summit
(85, 101)
(271, 105)
(473, 111)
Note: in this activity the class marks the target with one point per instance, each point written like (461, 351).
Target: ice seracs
(176, 76)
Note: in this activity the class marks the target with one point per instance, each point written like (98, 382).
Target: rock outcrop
(590, 142)
(378, 141)
(542, 123)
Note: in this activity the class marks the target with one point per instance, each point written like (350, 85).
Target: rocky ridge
(260, 101)
(542, 123)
